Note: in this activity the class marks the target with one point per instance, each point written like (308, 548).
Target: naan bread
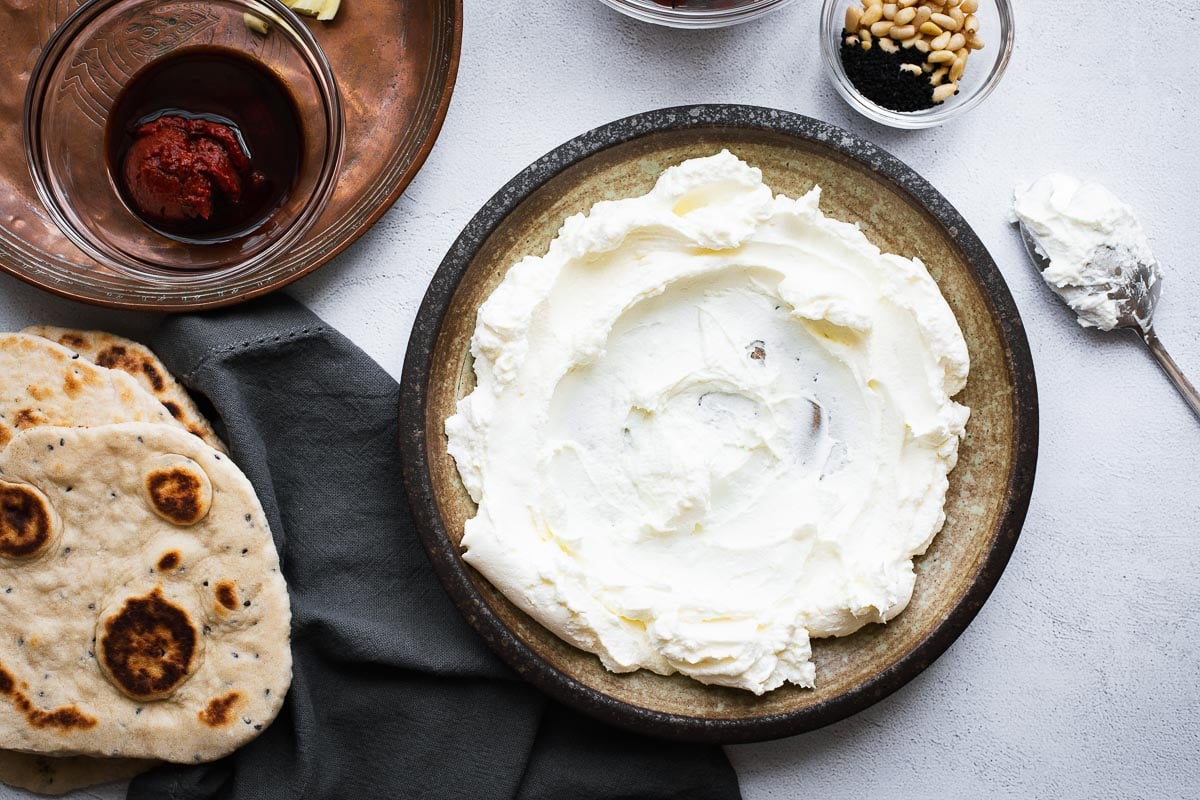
(44, 383)
(115, 352)
(56, 775)
(142, 610)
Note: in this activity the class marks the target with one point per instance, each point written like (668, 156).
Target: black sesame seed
(877, 75)
(246, 604)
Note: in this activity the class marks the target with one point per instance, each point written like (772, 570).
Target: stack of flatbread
(143, 615)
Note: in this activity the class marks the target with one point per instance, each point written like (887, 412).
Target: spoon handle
(1173, 371)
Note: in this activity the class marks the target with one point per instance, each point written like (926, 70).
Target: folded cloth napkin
(393, 696)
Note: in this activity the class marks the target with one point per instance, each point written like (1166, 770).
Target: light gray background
(1081, 677)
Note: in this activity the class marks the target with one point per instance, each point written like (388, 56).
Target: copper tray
(395, 62)
(900, 212)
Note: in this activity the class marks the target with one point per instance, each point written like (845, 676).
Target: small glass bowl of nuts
(916, 63)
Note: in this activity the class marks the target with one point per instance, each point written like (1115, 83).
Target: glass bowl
(80, 76)
(984, 69)
(696, 13)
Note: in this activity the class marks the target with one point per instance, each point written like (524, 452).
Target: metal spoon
(1136, 299)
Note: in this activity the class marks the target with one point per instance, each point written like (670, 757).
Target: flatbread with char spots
(135, 359)
(142, 611)
(58, 775)
(43, 383)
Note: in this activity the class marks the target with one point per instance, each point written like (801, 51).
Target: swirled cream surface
(710, 423)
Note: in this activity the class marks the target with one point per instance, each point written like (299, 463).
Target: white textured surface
(1081, 676)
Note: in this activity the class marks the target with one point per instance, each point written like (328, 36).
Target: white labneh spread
(1075, 224)
(710, 423)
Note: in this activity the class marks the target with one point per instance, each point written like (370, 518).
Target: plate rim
(449, 566)
(432, 134)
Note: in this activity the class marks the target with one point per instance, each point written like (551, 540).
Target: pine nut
(912, 68)
(870, 3)
(909, 44)
(852, 41)
(957, 68)
(974, 42)
(882, 28)
(927, 68)
(930, 29)
(864, 34)
(941, 57)
(940, 42)
(905, 16)
(971, 24)
(923, 15)
(889, 10)
(957, 42)
(866, 44)
(902, 32)
(920, 44)
(907, 3)
(938, 76)
(970, 6)
(853, 17)
(944, 92)
(871, 16)
(888, 46)
(945, 23)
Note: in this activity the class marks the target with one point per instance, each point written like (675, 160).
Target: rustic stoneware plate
(395, 65)
(900, 212)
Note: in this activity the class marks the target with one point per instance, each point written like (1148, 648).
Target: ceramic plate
(900, 212)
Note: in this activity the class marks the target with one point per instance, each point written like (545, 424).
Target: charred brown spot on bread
(177, 494)
(118, 356)
(154, 376)
(72, 340)
(29, 418)
(173, 408)
(147, 647)
(5, 435)
(114, 357)
(25, 521)
(169, 560)
(227, 595)
(65, 718)
(72, 385)
(38, 392)
(219, 710)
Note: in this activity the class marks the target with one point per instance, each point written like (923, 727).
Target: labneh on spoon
(1092, 251)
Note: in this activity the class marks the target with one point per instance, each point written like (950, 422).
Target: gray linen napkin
(394, 696)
